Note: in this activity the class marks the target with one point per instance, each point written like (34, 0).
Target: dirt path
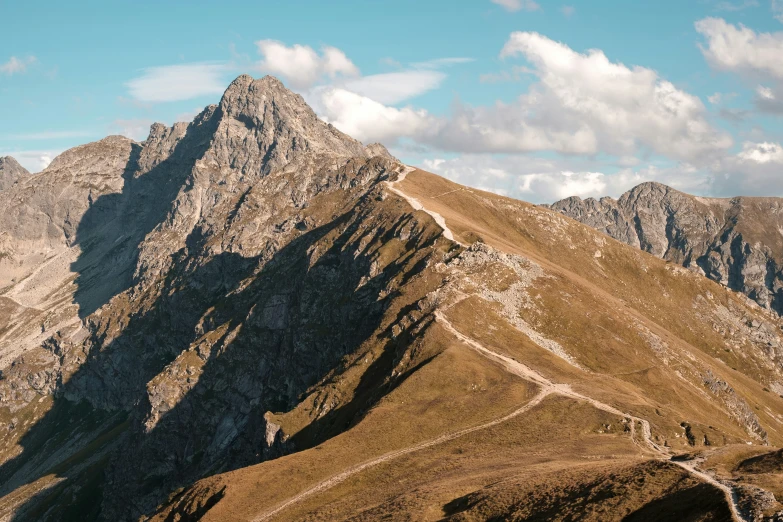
(413, 202)
(563, 389)
(343, 476)
(547, 387)
(525, 372)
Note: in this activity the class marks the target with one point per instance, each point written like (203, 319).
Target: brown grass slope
(611, 338)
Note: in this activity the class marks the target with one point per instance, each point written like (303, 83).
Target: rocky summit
(10, 172)
(253, 316)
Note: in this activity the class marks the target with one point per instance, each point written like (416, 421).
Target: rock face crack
(736, 242)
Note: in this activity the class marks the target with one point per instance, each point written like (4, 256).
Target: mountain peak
(10, 171)
(279, 121)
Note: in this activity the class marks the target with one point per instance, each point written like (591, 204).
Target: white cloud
(754, 56)
(33, 160)
(542, 180)
(135, 129)
(16, 65)
(740, 49)
(736, 6)
(765, 93)
(517, 5)
(585, 104)
(392, 88)
(558, 185)
(761, 153)
(754, 171)
(568, 10)
(300, 65)
(777, 9)
(179, 82)
(365, 119)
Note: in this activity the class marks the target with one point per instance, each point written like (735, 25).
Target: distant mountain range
(737, 242)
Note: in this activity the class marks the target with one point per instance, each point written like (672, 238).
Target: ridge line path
(547, 388)
(416, 204)
(563, 389)
(516, 368)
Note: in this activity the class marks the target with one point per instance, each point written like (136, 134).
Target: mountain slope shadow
(114, 226)
(233, 338)
(86, 405)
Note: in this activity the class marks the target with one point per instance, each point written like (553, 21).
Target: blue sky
(533, 99)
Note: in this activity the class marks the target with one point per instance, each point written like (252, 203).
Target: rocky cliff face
(165, 295)
(10, 172)
(737, 242)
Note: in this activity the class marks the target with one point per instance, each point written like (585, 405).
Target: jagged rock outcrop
(10, 172)
(737, 242)
(208, 275)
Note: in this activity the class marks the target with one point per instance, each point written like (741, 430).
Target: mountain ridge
(10, 172)
(735, 241)
(189, 322)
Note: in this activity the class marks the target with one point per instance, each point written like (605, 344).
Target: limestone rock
(737, 242)
(10, 172)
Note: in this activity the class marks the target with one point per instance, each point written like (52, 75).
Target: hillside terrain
(737, 242)
(253, 316)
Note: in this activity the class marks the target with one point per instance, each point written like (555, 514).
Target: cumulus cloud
(517, 5)
(16, 65)
(586, 104)
(754, 171)
(544, 180)
(754, 56)
(179, 82)
(33, 160)
(135, 129)
(740, 49)
(761, 153)
(366, 119)
(366, 107)
(393, 88)
(300, 65)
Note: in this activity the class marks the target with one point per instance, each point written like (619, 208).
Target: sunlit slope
(554, 371)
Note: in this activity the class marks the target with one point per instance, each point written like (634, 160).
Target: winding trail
(344, 475)
(528, 373)
(523, 371)
(547, 388)
(416, 204)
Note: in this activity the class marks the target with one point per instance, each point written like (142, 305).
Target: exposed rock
(10, 172)
(737, 242)
(208, 289)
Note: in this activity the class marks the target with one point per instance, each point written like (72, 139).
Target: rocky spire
(10, 171)
(265, 126)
